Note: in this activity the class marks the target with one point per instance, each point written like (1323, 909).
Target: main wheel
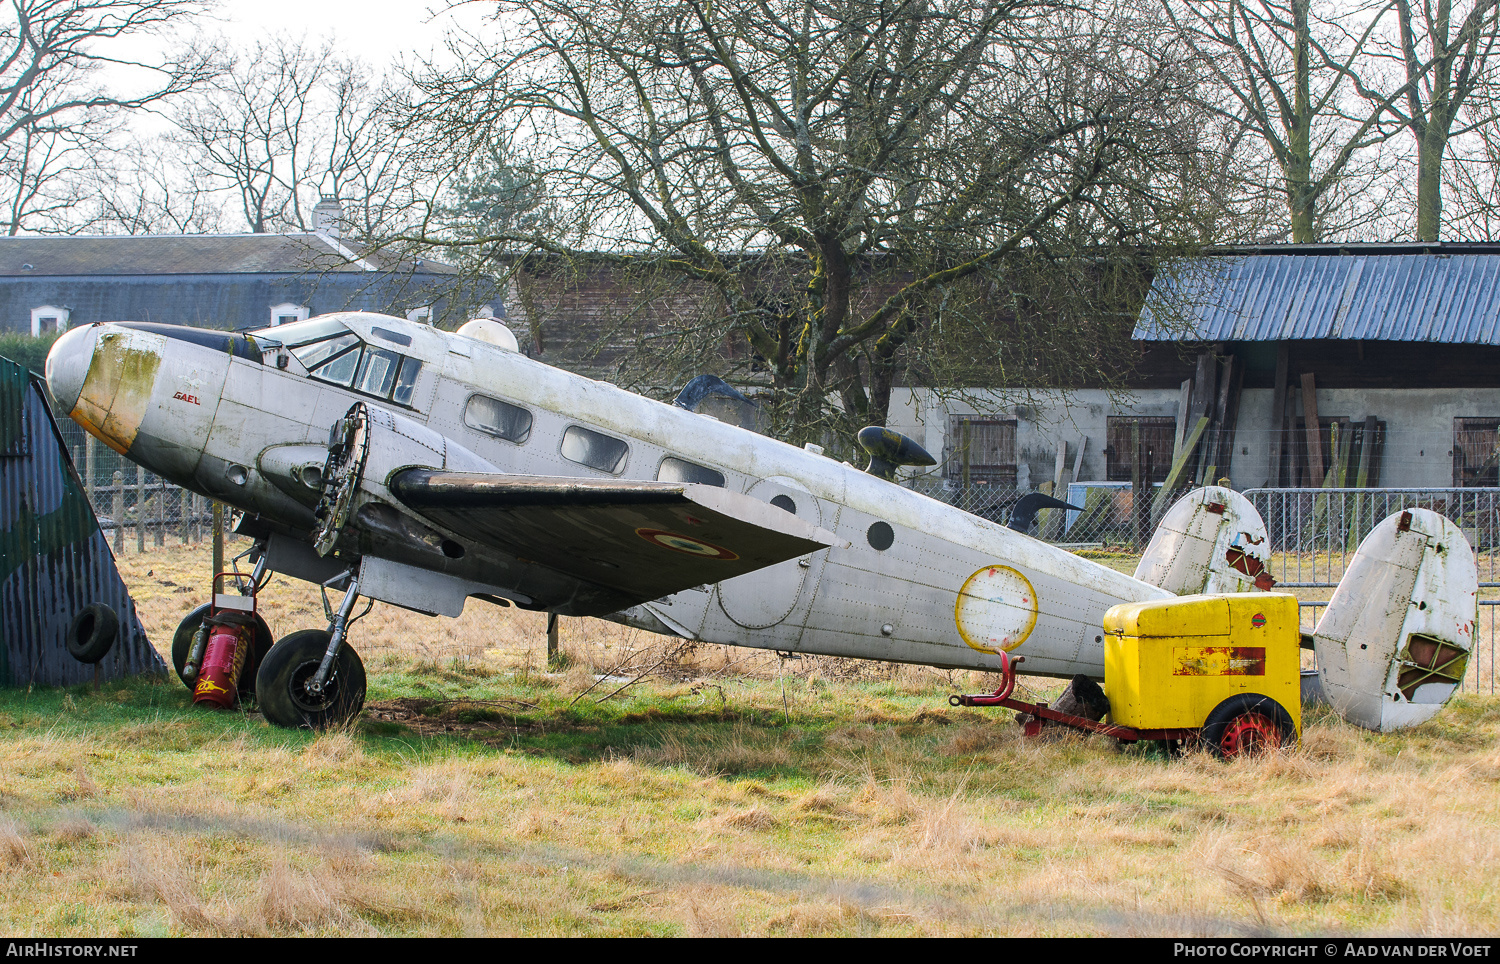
(281, 685)
(182, 643)
(1248, 724)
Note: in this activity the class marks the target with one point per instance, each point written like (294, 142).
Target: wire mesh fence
(1314, 532)
(135, 507)
(1105, 514)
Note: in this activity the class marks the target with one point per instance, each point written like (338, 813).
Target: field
(646, 788)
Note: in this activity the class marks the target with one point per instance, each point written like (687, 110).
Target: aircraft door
(762, 599)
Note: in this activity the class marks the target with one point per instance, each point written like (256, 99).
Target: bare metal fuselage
(939, 586)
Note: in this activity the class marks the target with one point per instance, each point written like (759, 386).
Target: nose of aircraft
(68, 365)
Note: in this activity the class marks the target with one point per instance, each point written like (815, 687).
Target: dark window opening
(1158, 436)
(1476, 452)
(981, 450)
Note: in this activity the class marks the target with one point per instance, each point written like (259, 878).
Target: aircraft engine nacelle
(365, 449)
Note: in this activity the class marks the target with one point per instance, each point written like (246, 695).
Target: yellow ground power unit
(1229, 664)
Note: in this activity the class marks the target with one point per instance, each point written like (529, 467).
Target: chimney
(328, 216)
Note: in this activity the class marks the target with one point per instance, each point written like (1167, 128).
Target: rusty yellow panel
(1226, 645)
(1218, 661)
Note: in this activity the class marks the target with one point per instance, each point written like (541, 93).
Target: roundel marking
(996, 609)
(681, 543)
(1258, 620)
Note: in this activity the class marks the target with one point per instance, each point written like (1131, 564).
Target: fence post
(161, 512)
(119, 513)
(140, 509)
(184, 507)
(90, 481)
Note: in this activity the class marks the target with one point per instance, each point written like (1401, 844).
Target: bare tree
(846, 179)
(1289, 74)
(1443, 59)
(145, 189)
(57, 117)
(292, 121)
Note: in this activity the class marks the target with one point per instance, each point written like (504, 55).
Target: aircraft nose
(68, 365)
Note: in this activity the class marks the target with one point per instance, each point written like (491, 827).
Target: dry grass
(490, 797)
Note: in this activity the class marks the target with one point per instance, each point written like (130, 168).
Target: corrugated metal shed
(54, 560)
(1431, 293)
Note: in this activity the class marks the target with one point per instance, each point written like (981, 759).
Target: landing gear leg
(313, 679)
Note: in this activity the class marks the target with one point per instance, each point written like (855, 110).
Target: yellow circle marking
(995, 610)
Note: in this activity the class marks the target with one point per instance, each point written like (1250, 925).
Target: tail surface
(1210, 541)
(1395, 639)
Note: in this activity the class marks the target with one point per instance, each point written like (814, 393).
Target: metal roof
(1383, 293)
(193, 254)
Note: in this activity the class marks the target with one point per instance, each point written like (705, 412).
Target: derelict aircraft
(423, 468)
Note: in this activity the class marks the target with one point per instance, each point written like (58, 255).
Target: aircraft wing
(637, 540)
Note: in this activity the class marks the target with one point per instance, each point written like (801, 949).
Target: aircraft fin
(1210, 541)
(1395, 639)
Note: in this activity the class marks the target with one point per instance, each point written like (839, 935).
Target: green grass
(498, 801)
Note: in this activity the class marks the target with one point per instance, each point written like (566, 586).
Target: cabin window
(597, 451)
(680, 470)
(981, 451)
(500, 419)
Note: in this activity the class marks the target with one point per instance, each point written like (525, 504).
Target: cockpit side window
(332, 353)
(313, 354)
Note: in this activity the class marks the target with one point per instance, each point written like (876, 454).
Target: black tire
(182, 644)
(93, 633)
(1247, 724)
(290, 664)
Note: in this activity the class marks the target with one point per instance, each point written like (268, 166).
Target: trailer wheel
(182, 643)
(1247, 724)
(93, 633)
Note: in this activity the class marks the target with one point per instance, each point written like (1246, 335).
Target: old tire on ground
(281, 685)
(182, 643)
(1247, 724)
(92, 633)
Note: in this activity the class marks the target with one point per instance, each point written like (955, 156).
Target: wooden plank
(1366, 449)
(1178, 472)
(1083, 441)
(1184, 395)
(1289, 413)
(1278, 413)
(1140, 515)
(1231, 417)
(1312, 429)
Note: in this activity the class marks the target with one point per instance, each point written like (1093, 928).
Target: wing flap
(643, 540)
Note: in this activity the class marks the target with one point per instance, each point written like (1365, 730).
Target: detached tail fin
(1395, 639)
(1210, 541)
